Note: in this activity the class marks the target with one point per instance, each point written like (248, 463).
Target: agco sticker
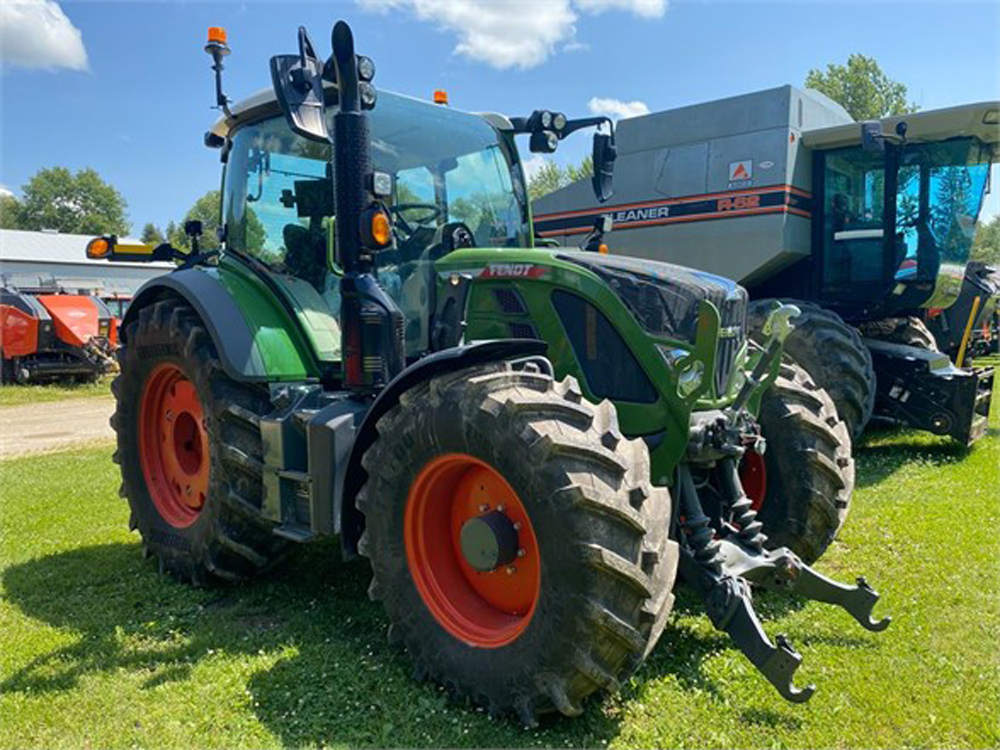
(512, 270)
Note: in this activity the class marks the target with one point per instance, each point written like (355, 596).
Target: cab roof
(979, 120)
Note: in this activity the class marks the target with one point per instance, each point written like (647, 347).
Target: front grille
(732, 332)
(522, 331)
(509, 301)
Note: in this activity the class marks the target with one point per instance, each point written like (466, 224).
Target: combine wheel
(190, 450)
(909, 331)
(801, 487)
(515, 540)
(833, 354)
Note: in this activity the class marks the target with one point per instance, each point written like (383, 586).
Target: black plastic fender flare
(447, 360)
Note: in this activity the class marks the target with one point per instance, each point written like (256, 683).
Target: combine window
(869, 243)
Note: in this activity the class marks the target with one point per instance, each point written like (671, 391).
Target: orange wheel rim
(753, 477)
(173, 445)
(455, 495)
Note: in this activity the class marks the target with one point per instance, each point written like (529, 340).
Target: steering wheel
(433, 212)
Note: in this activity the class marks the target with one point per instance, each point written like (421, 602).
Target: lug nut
(170, 415)
(517, 525)
(501, 508)
(521, 552)
(483, 508)
(511, 570)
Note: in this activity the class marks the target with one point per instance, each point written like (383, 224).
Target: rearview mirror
(604, 156)
(298, 86)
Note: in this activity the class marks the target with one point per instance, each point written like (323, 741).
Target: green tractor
(526, 449)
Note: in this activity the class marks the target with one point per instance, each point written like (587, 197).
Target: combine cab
(864, 225)
(50, 336)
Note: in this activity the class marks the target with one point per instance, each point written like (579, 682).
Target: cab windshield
(938, 195)
(447, 167)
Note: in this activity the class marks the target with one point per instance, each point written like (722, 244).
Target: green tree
(862, 88)
(80, 203)
(151, 234)
(986, 246)
(10, 212)
(208, 209)
(550, 177)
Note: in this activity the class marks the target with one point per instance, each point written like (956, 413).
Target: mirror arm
(586, 122)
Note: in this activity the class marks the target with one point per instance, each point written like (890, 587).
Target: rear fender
(449, 360)
(256, 340)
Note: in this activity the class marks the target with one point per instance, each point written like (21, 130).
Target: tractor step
(294, 533)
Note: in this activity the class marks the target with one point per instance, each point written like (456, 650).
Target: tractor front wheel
(516, 543)
(189, 450)
(833, 354)
(801, 487)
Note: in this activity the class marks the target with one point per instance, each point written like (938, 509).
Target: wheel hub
(489, 541)
(173, 445)
(472, 551)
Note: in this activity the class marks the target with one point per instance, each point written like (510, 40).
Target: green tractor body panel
(547, 295)
(287, 343)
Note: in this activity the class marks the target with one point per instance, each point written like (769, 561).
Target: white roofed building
(34, 260)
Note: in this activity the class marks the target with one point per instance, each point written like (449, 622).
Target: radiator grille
(732, 333)
(509, 301)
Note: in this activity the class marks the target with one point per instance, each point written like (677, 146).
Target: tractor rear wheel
(516, 543)
(910, 331)
(833, 354)
(189, 450)
(801, 487)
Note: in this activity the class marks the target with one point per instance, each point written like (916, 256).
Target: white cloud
(616, 109)
(533, 165)
(644, 8)
(37, 34)
(6, 192)
(512, 33)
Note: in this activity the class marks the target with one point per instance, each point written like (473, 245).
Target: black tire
(810, 472)
(229, 539)
(609, 565)
(833, 354)
(909, 331)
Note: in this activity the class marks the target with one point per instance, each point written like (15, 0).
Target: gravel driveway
(53, 425)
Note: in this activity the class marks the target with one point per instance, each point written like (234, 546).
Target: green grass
(16, 395)
(99, 650)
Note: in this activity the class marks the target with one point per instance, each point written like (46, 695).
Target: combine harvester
(525, 457)
(46, 335)
(863, 225)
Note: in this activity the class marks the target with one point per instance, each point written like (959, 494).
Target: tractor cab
(453, 180)
(897, 204)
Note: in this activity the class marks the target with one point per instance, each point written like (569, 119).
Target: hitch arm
(781, 570)
(728, 598)
(729, 606)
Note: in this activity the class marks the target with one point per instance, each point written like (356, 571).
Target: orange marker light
(381, 229)
(98, 247)
(602, 249)
(216, 34)
(441, 97)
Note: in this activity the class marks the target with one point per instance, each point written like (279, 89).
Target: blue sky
(134, 100)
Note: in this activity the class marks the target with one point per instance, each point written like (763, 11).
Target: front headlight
(690, 378)
(672, 355)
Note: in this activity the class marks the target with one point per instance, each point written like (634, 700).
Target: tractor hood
(664, 297)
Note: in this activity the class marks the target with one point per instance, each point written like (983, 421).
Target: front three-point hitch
(724, 550)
